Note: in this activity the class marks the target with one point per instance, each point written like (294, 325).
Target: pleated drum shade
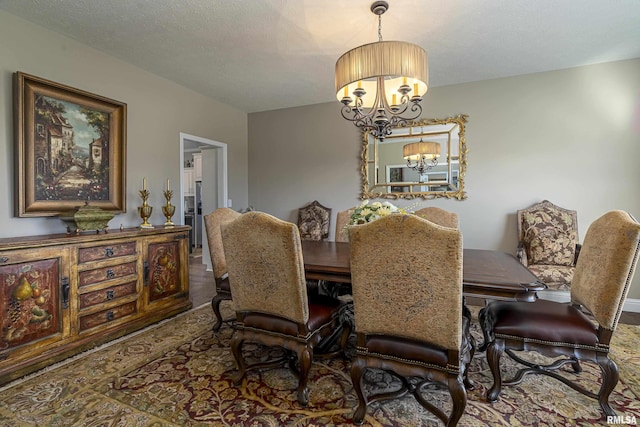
(422, 149)
(397, 63)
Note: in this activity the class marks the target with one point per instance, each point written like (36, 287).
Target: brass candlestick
(168, 210)
(145, 210)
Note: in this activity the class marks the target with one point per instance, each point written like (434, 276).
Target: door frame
(222, 169)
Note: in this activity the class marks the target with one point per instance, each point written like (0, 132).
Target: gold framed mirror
(425, 159)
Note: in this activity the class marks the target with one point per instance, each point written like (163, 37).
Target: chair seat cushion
(556, 277)
(322, 310)
(409, 349)
(542, 320)
(406, 349)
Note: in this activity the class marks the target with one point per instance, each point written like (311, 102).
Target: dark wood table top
(485, 274)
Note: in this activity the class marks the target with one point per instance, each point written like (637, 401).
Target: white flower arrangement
(370, 212)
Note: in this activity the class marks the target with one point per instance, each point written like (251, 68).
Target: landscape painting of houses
(70, 147)
(71, 151)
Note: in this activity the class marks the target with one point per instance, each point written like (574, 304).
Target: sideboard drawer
(97, 253)
(104, 295)
(98, 275)
(103, 317)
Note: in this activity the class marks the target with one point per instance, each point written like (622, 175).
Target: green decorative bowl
(86, 218)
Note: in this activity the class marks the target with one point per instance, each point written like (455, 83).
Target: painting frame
(53, 171)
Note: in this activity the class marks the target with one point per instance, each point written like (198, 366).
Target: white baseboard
(631, 304)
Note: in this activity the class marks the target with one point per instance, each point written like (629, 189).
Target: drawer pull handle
(108, 252)
(65, 292)
(110, 294)
(110, 274)
(146, 273)
(3, 259)
(110, 315)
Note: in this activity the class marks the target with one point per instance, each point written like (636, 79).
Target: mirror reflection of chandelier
(422, 155)
(387, 80)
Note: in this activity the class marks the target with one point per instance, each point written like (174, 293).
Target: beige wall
(569, 136)
(158, 110)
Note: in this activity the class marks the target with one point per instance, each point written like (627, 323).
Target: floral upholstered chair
(313, 221)
(548, 243)
(439, 216)
(212, 223)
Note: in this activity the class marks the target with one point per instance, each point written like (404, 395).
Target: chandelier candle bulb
(144, 183)
(168, 188)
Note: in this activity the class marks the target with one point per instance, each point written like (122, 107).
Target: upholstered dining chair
(439, 216)
(342, 220)
(314, 221)
(212, 223)
(600, 284)
(266, 273)
(548, 243)
(408, 310)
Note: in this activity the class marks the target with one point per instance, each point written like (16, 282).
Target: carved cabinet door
(166, 268)
(34, 299)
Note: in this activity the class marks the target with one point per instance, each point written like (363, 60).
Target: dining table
(486, 274)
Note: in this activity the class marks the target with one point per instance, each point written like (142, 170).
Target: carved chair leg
(215, 305)
(459, 397)
(472, 351)
(576, 366)
(357, 370)
(304, 360)
(344, 339)
(610, 377)
(486, 329)
(236, 349)
(494, 352)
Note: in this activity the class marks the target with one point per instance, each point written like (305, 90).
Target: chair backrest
(313, 221)
(606, 266)
(439, 216)
(266, 269)
(342, 220)
(212, 223)
(549, 233)
(406, 275)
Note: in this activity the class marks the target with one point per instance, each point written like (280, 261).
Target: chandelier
(381, 84)
(424, 153)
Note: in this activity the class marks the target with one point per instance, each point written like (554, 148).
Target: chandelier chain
(380, 27)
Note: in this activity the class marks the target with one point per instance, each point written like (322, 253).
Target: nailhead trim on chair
(597, 347)
(450, 368)
(278, 334)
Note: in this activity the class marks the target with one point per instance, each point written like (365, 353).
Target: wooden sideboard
(63, 294)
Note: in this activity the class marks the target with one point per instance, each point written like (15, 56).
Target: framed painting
(69, 148)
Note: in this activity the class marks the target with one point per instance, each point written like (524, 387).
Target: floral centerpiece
(370, 212)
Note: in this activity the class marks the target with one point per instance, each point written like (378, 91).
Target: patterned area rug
(179, 374)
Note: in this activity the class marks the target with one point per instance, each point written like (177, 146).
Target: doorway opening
(199, 195)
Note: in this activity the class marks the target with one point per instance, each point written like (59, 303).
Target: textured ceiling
(259, 55)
